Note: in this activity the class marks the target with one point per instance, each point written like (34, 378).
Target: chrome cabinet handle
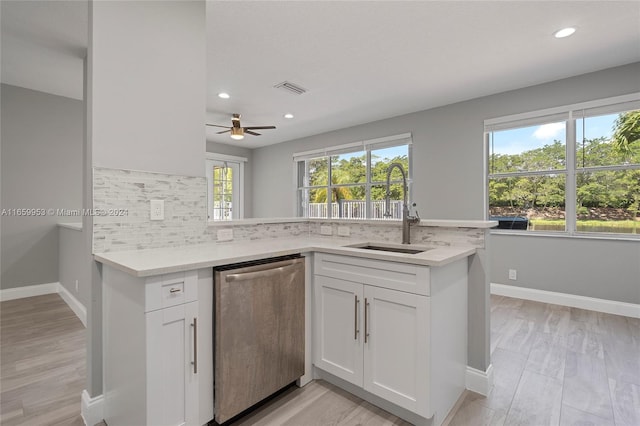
(174, 290)
(355, 317)
(195, 345)
(366, 321)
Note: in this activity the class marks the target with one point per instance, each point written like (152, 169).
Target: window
(349, 181)
(224, 187)
(567, 170)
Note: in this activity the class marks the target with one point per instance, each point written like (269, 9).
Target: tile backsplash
(392, 232)
(125, 195)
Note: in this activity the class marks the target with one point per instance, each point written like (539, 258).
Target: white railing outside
(355, 209)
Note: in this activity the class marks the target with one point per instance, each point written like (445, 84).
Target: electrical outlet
(76, 286)
(513, 274)
(225, 234)
(344, 231)
(157, 210)
(325, 230)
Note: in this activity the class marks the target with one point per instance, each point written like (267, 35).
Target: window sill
(576, 235)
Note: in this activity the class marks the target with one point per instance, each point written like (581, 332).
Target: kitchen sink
(393, 249)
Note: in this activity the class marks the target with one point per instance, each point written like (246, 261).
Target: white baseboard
(28, 291)
(572, 300)
(75, 305)
(49, 288)
(479, 381)
(91, 409)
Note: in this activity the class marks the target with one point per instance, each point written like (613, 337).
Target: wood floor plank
(586, 386)
(573, 417)
(537, 401)
(622, 360)
(582, 338)
(508, 367)
(316, 404)
(547, 356)
(476, 414)
(626, 403)
(556, 320)
(517, 336)
(42, 358)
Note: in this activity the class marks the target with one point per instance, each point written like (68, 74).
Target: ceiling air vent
(291, 88)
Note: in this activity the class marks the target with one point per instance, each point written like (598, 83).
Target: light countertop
(443, 223)
(144, 263)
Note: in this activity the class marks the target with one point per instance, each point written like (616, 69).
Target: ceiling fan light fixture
(288, 115)
(223, 95)
(237, 133)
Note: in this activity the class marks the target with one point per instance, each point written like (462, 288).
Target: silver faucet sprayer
(407, 219)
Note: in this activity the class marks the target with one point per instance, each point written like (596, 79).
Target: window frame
(236, 163)
(365, 147)
(570, 114)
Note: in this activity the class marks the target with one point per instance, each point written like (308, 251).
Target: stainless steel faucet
(407, 220)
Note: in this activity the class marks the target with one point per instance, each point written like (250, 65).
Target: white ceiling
(360, 61)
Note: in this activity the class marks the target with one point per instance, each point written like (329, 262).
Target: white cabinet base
(150, 345)
(413, 360)
(392, 408)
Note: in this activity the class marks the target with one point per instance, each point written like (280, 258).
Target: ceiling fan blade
(259, 127)
(250, 132)
(224, 131)
(217, 125)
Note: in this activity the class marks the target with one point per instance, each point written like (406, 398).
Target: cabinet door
(172, 382)
(338, 328)
(396, 355)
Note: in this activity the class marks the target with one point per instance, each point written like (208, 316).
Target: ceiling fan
(237, 131)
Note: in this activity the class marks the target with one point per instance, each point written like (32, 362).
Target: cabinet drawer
(167, 290)
(393, 275)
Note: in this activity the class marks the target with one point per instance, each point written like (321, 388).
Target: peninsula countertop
(149, 262)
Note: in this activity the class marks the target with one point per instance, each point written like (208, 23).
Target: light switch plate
(157, 210)
(225, 234)
(325, 230)
(344, 231)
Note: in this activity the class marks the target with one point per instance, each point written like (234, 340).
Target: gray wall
(41, 168)
(71, 251)
(145, 90)
(604, 269)
(238, 151)
(148, 86)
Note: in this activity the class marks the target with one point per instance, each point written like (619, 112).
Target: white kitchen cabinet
(395, 348)
(157, 334)
(396, 331)
(172, 380)
(337, 329)
(372, 337)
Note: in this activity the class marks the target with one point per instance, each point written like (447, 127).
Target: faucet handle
(416, 218)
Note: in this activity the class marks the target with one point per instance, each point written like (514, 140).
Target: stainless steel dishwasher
(258, 331)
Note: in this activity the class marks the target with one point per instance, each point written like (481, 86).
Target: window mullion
(570, 208)
(329, 189)
(367, 189)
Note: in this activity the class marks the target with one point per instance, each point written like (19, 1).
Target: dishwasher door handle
(265, 273)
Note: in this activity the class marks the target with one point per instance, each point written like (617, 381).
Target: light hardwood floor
(553, 365)
(42, 362)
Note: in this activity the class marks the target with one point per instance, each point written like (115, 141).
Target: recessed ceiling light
(223, 95)
(565, 32)
(288, 115)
